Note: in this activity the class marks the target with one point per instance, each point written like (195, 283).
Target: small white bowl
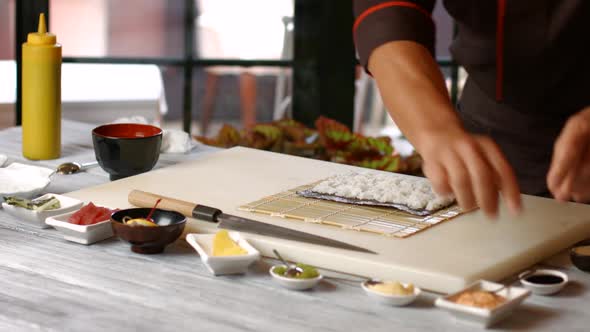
(395, 300)
(294, 283)
(84, 234)
(481, 316)
(31, 179)
(541, 289)
(220, 265)
(37, 218)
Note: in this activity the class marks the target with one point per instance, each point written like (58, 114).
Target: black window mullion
(189, 37)
(180, 61)
(27, 17)
(324, 61)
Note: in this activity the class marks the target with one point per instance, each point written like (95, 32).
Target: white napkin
(3, 159)
(176, 141)
(23, 180)
(173, 140)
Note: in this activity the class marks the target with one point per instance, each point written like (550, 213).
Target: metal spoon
(292, 270)
(73, 167)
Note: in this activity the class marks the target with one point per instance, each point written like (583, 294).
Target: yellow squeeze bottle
(41, 95)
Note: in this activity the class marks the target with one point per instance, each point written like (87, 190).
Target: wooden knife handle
(147, 200)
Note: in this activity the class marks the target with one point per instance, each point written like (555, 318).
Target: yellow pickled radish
(140, 222)
(223, 245)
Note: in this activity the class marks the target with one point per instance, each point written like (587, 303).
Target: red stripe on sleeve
(378, 7)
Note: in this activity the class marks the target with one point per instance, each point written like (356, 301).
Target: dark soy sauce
(544, 279)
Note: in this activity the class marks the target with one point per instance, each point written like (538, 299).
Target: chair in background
(367, 100)
(240, 34)
(284, 86)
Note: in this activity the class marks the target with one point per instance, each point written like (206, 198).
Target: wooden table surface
(49, 284)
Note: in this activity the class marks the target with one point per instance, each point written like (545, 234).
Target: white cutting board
(444, 258)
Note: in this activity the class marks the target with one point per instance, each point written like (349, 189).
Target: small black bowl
(126, 149)
(145, 239)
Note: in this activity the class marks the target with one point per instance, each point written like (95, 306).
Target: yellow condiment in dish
(391, 288)
(480, 299)
(139, 222)
(583, 250)
(223, 245)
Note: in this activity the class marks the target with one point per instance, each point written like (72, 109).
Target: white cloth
(23, 180)
(3, 159)
(176, 141)
(173, 140)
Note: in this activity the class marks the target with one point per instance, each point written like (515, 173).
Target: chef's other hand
(569, 173)
(472, 168)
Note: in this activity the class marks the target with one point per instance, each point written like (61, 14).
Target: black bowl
(581, 259)
(126, 149)
(149, 240)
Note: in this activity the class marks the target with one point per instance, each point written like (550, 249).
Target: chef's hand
(414, 90)
(471, 167)
(569, 173)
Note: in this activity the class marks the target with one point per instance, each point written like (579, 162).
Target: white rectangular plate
(84, 234)
(218, 265)
(37, 218)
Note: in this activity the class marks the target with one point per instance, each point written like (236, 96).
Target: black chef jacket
(528, 63)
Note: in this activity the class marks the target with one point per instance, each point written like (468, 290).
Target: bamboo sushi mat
(381, 220)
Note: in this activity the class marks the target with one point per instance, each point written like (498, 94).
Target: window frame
(309, 53)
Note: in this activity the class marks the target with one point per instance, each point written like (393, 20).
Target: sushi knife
(145, 199)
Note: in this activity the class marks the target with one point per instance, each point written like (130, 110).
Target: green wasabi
(50, 203)
(309, 272)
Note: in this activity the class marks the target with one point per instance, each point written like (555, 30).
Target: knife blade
(226, 221)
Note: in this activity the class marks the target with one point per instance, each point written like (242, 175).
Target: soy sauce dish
(544, 282)
(580, 257)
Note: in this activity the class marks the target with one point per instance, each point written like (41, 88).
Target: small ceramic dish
(294, 283)
(220, 265)
(544, 282)
(37, 218)
(580, 256)
(149, 240)
(481, 316)
(395, 300)
(84, 234)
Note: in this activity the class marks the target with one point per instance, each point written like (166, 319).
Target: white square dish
(481, 316)
(219, 265)
(37, 218)
(84, 234)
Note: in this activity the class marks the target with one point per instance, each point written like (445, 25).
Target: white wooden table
(49, 284)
